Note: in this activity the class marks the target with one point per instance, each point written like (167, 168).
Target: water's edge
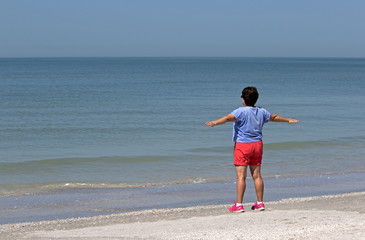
(73, 203)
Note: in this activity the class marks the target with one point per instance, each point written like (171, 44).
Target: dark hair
(250, 95)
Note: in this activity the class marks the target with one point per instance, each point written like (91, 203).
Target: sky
(179, 28)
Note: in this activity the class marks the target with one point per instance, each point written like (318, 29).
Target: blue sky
(261, 28)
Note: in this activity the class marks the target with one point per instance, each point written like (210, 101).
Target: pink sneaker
(258, 206)
(236, 208)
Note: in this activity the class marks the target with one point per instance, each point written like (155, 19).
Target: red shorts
(248, 154)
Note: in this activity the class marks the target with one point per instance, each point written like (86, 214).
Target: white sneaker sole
(259, 209)
(240, 211)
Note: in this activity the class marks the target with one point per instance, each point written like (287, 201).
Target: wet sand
(339, 216)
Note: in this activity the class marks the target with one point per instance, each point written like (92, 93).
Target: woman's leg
(259, 183)
(241, 172)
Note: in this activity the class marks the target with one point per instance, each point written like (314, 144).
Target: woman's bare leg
(241, 172)
(259, 183)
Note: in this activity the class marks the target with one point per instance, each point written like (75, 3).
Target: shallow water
(83, 202)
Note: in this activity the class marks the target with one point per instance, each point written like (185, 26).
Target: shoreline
(89, 202)
(339, 216)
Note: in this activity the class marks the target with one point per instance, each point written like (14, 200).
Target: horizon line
(181, 57)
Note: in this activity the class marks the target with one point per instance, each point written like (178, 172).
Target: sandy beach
(324, 217)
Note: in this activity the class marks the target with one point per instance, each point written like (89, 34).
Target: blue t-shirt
(249, 124)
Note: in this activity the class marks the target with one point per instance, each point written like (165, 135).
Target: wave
(298, 145)
(193, 155)
(353, 141)
(40, 188)
(46, 188)
(192, 166)
(212, 150)
(32, 166)
(284, 145)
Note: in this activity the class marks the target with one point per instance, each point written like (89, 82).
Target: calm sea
(77, 124)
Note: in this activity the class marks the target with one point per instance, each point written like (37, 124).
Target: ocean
(90, 136)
